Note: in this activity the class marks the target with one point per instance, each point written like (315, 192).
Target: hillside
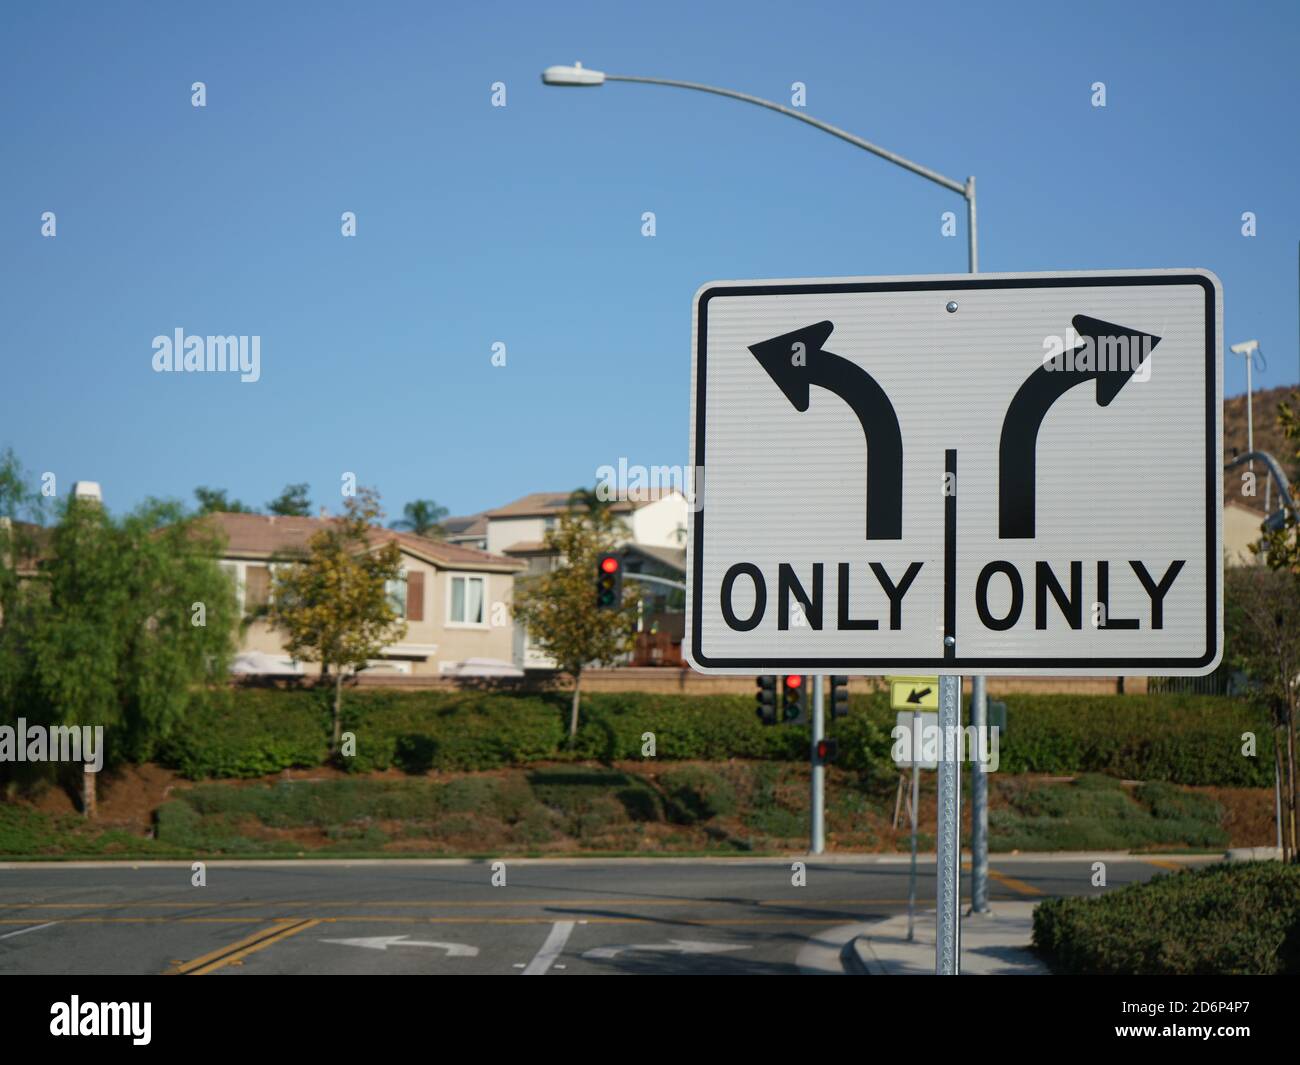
(1268, 437)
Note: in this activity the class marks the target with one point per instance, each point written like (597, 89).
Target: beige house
(1241, 528)
(455, 599)
(655, 520)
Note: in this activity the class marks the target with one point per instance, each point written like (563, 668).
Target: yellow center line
(182, 969)
(1160, 863)
(449, 903)
(1018, 886)
(402, 919)
(241, 949)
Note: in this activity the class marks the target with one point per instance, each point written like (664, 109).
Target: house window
(396, 593)
(467, 596)
(257, 587)
(231, 570)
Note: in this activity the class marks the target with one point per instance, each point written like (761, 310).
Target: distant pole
(979, 813)
(818, 770)
(916, 801)
(947, 917)
(1277, 784)
(1250, 408)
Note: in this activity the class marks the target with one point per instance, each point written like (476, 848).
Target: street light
(949, 792)
(580, 76)
(1248, 349)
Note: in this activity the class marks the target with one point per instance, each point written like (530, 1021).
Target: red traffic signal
(826, 751)
(792, 700)
(609, 582)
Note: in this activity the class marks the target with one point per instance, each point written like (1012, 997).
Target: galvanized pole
(972, 241)
(916, 801)
(818, 770)
(947, 940)
(979, 792)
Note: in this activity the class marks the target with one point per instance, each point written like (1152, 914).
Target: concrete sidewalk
(995, 944)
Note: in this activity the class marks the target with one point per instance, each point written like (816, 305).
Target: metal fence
(1220, 682)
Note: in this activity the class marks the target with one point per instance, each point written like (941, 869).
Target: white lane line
(560, 932)
(24, 931)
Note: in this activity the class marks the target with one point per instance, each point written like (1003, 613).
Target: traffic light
(792, 699)
(766, 697)
(839, 697)
(826, 751)
(609, 582)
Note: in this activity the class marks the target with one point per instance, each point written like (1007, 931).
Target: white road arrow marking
(673, 946)
(454, 950)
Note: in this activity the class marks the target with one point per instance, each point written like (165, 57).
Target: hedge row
(1229, 919)
(247, 733)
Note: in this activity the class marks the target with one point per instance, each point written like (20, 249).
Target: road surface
(549, 918)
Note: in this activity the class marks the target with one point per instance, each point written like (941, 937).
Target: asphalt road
(550, 918)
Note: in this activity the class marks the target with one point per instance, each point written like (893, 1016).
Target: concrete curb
(859, 959)
(1254, 854)
(594, 860)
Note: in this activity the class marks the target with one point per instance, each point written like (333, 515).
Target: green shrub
(1181, 739)
(590, 801)
(1232, 918)
(1098, 812)
(695, 794)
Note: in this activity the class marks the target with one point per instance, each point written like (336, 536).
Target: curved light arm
(966, 189)
(1275, 468)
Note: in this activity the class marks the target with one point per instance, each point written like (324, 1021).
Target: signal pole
(818, 769)
(979, 790)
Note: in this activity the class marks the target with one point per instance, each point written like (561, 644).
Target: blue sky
(522, 224)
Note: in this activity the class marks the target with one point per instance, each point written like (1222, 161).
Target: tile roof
(465, 525)
(266, 535)
(536, 504)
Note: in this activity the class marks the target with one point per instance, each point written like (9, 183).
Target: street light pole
(578, 75)
(947, 945)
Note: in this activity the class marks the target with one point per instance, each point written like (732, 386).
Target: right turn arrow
(1017, 453)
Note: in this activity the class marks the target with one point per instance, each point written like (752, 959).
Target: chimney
(88, 490)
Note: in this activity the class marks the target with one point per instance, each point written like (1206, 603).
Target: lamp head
(574, 75)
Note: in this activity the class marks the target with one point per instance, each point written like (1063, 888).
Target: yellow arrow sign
(913, 693)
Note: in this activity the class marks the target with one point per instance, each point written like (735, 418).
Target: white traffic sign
(992, 473)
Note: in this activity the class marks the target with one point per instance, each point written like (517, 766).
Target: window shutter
(257, 586)
(415, 596)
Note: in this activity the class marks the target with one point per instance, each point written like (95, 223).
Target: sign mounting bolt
(952, 307)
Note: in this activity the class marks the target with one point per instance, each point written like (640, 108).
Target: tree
(292, 502)
(422, 517)
(22, 516)
(333, 605)
(214, 500)
(1272, 613)
(1262, 625)
(124, 623)
(591, 500)
(559, 608)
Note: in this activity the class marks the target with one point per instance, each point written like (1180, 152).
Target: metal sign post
(979, 795)
(916, 800)
(947, 940)
(818, 770)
